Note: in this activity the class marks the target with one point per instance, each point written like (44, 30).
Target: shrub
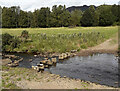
(6, 39)
(9, 41)
(14, 42)
(33, 50)
(24, 49)
(115, 23)
(83, 46)
(24, 34)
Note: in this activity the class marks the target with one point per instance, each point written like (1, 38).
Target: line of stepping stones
(47, 62)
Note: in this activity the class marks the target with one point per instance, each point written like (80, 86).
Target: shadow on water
(98, 68)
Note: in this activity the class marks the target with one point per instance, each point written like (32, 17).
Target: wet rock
(43, 61)
(46, 66)
(65, 76)
(34, 67)
(57, 75)
(10, 56)
(40, 64)
(6, 61)
(73, 51)
(45, 58)
(41, 67)
(12, 65)
(73, 54)
(116, 82)
(64, 55)
(68, 55)
(116, 55)
(38, 69)
(61, 57)
(49, 62)
(16, 62)
(52, 75)
(20, 60)
(35, 55)
(30, 60)
(54, 60)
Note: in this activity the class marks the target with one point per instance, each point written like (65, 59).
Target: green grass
(63, 30)
(61, 39)
(10, 76)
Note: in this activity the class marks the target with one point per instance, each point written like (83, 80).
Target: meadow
(59, 40)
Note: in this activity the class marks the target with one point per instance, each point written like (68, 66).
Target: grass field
(61, 39)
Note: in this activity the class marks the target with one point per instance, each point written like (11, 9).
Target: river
(97, 68)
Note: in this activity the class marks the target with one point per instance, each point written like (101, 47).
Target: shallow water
(98, 68)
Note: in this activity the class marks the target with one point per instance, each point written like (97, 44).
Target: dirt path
(109, 46)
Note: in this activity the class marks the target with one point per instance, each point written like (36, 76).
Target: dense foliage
(24, 34)
(90, 17)
(59, 16)
(9, 42)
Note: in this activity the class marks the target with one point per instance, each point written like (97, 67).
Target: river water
(98, 68)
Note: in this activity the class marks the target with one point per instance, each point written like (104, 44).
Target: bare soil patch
(109, 46)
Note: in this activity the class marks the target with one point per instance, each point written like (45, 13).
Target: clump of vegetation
(19, 79)
(24, 34)
(6, 38)
(83, 46)
(9, 42)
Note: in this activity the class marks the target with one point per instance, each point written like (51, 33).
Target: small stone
(52, 75)
(30, 60)
(35, 55)
(116, 82)
(64, 76)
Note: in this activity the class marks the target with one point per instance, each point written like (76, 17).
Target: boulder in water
(54, 60)
(49, 62)
(35, 55)
(30, 60)
(46, 66)
(12, 65)
(43, 61)
(6, 61)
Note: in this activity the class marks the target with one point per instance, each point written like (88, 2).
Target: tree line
(59, 16)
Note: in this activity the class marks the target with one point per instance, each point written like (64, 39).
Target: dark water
(99, 68)
(26, 57)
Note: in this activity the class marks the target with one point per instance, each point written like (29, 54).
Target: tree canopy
(59, 16)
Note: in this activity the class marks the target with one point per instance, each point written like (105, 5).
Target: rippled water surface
(99, 68)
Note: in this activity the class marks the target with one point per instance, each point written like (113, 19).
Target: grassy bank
(60, 39)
